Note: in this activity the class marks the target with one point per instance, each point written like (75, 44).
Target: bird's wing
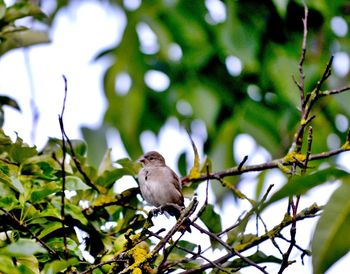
(176, 180)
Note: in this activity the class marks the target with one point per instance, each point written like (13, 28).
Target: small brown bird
(159, 184)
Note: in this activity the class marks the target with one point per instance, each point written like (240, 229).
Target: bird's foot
(172, 209)
(154, 212)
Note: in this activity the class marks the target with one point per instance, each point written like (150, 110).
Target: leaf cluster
(17, 36)
(30, 207)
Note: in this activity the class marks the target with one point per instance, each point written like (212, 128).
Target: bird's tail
(175, 210)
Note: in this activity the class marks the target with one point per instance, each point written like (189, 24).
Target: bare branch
(62, 163)
(293, 230)
(334, 91)
(301, 84)
(309, 212)
(87, 180)
(243, 162)
(187, 212)
(308, 152)
(260, 167)
(195, 254)
(325, 75)
(229, 248)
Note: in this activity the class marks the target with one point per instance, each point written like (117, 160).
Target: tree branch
(62, 163)
(260, 167)
(309, 212)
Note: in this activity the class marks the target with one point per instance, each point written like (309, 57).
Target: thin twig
(304, 251)
(206, 188)
(187, 212)
(195, 254)
(180, 222)
(24, 227)
(285, 258)
(87, 180)
(242, 162)
(237, 223)
(325, 75)
(166, 253)
(309, 212)
(334, 91)
(229, 248)
(308, 151)
(62, 163)
(301, 84)
(65, 139)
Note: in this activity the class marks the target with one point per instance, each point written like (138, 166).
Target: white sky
(78, 34)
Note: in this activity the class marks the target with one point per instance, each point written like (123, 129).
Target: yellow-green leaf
(331, 240)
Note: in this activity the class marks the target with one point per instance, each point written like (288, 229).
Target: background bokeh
(142, 72)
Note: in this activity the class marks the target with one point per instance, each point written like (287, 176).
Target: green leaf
(44, 166)
(211, 219)
(258, 257)
(41, 193)
(75, 183)
(186, 245)
(302, 184)
(8, 202)
(51, 212)
(281, 6)
(235, 37)
(76, 213)
(108, 178)
(93, 137)
(24, 38)
(59, 266)
(131, 166)
(28, 264)
(6, 265)
(195, 170)
(17, 185)
(22, 9)
(280, 67)
(204, 101)
(2, 9)
(106, 163)
(20, 151)
(23, 247)
(189, 33)
(260, 123)
(58, 245)
(331, 239)
(79, 147)
(49, 228)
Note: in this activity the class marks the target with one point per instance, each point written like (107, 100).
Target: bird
(160, 186)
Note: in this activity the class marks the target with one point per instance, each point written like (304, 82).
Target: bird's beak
(141, 160)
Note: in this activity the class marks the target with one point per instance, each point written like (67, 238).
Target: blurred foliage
(260, 100)
(30, 205)
(17, 36)
(234, 74)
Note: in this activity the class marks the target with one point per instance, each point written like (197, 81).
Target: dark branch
(229, 248)
(309, 212)
(62, 163)
(260, 167)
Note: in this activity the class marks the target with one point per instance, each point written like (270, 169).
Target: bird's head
(152, 158)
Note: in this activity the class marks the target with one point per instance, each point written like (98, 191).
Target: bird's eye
(151, 158)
